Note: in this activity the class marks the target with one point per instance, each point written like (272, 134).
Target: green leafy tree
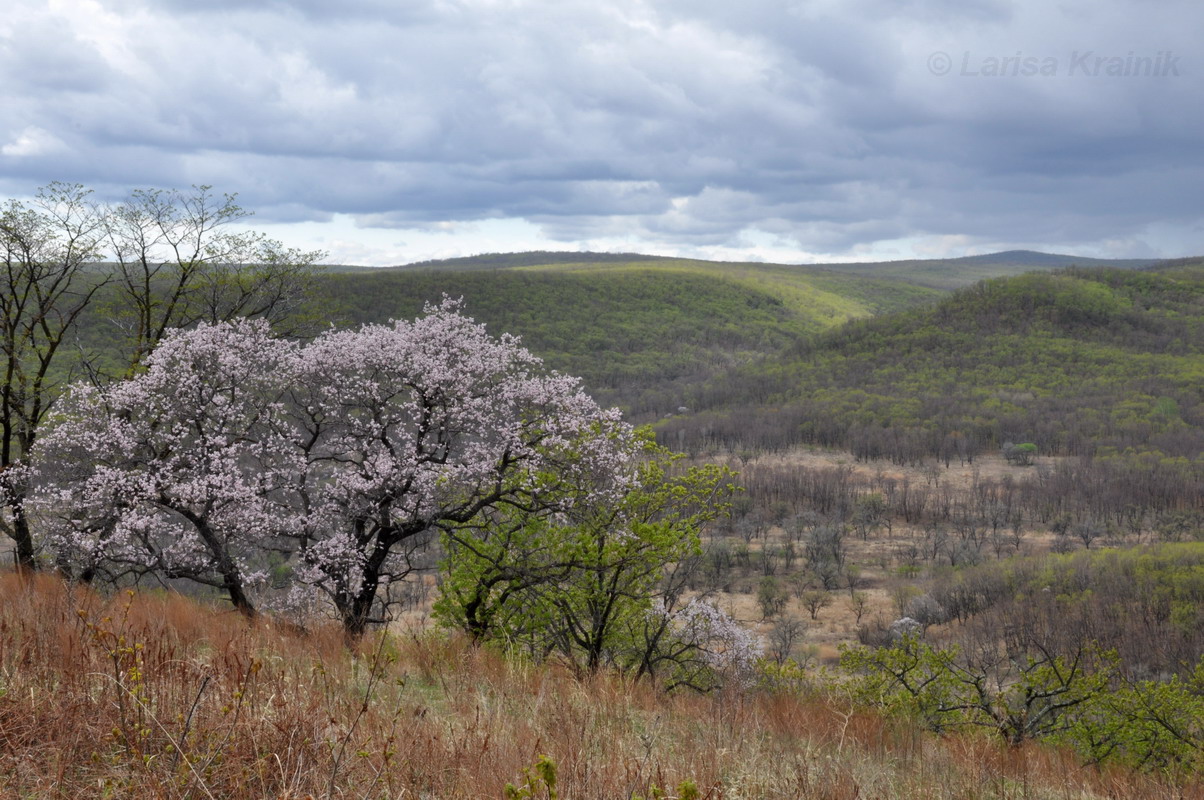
(584, 582)
(1154, 724)
(1021, 696)
(771, 597)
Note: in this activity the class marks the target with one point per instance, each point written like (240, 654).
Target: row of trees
(1131, 497)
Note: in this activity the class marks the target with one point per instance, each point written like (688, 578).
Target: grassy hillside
(156, 697)
(1077, 362)
(938, 273)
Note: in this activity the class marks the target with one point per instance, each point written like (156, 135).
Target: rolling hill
(637, 332)
(953, 273)
(655, 334)
(937, 273)
(1079, 362)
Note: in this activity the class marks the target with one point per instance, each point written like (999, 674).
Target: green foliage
(637, 331)
(1147, 724)
(771, 597)
(539, 781)
(1022, 454)
(1146, 603)
(583, 584)
(1018, 695)
(686, 790)
(1079, 362)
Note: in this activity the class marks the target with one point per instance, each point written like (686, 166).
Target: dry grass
(154, 697)
(957, 475)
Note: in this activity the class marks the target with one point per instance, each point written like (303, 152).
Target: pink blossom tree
(234, 445)
(417, 425)
(182, 471)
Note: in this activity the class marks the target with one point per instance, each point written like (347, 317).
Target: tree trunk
(23, 556)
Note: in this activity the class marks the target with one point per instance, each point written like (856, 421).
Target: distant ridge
(954, 273)
(531, 258)
(935, 273)
(1036, 258)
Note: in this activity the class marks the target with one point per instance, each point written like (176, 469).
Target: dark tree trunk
(358, 612)
(232, 581)
(23, 555)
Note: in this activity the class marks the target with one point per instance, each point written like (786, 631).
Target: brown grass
(148, 696)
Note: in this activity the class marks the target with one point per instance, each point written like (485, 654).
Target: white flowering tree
(697, 645)
(418, 425)
(159, 260)
(234, 445)
(182, 471)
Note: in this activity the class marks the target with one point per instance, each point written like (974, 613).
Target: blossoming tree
(234, 448)
(423, 424)
(180, 472)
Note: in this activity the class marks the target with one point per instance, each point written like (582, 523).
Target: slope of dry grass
(150, 696)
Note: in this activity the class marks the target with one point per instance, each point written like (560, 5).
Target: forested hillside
(952, 273)
(937, 273)
(638, 333)
(1077, 362)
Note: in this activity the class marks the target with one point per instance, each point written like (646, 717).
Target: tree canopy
(234, 450)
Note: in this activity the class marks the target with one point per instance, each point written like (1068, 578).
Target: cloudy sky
(390, 131)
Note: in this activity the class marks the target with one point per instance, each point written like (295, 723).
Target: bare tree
(181, 260)
(47, 248)
(858, 602)
(788, 630)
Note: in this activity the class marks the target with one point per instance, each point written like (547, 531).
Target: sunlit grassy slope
(939, 273)
(953, 273)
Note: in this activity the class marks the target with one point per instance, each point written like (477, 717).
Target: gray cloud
(676, 123)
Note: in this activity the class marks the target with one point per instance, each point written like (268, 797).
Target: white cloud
(32, 141)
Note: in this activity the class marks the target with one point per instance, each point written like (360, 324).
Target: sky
(391, 131)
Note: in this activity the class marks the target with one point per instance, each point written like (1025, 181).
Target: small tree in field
(815, 600)
(771, 597)
(1023, 454)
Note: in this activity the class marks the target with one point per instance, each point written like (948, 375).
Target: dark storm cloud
(826, 124)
